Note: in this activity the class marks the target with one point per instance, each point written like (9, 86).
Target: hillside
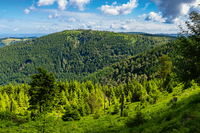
(81, 109)
(143, 66)
(12, 40)
(71, 54)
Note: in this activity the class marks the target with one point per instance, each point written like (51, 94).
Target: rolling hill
(71, 54)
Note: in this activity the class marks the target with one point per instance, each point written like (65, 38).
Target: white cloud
(56, 15)
(185, 9)
(32, 8)
(45, 2)
(50, 17)
(54, 28)
(4, 10)
(62, 4)
(155, 17)
(79, 3)
(26, 11)
(130, 20)
(146, 5)
(90, 24)
(124, 27)
(119, 10)
(41, 28)
(112, 26)
(16, 29)
(71, 20)
(141, 17)
(82, 26)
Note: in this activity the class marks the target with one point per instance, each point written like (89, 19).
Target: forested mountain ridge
(71, 54)
(142, 66)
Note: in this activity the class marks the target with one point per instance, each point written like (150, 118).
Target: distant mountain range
(22, 35)
(162, 34)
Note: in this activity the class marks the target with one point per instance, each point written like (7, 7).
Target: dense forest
(143, 66)
(71, 54)
(154, 91)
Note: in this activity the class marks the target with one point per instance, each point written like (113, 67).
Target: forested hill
(142, 66)
(71, 54)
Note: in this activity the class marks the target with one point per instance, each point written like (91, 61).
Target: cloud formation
(50, 17)
(16, 29)
(62, 4)
(146, 5)
(79, 3)
(26, 11)
(45, 2)
(118, 10)
(172, 9)
(90, 24)
(155, 17)
(71, 20)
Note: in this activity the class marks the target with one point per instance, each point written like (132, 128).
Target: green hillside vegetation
(8, 41)
(166, 101)
(143, 66)
(79, 107)
(71, 54)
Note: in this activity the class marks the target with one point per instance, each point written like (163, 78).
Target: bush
(137, 120)
(125, 113)
(6, 115)
(116, 109)
(97, 115)
(71, 114)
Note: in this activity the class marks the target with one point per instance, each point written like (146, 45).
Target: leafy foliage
(187, 47)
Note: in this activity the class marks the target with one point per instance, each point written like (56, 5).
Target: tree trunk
(11, 104)
(163, 83)
(104, 101)
(122, 105)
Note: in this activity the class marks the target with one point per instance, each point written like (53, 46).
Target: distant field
(8, 41)
(12, 40)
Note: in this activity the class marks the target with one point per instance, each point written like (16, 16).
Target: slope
(140, 67)
(71, 54)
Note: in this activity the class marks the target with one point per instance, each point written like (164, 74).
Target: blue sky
(49, 16)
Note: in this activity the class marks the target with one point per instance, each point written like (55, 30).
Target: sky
(50, 16)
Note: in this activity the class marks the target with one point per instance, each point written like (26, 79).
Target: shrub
(6, 115)
(97, 114)
(71, 114)
(137, 120)
(116, 109)
(125, 113)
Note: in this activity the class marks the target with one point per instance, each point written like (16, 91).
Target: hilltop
(71, 54)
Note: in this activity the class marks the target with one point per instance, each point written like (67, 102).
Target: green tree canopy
(42, 91)
(188, 49)
(165, 68)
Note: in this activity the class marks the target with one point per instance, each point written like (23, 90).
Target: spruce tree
(42, 91)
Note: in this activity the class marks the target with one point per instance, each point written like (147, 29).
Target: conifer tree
(165, 68)
(42, 91)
